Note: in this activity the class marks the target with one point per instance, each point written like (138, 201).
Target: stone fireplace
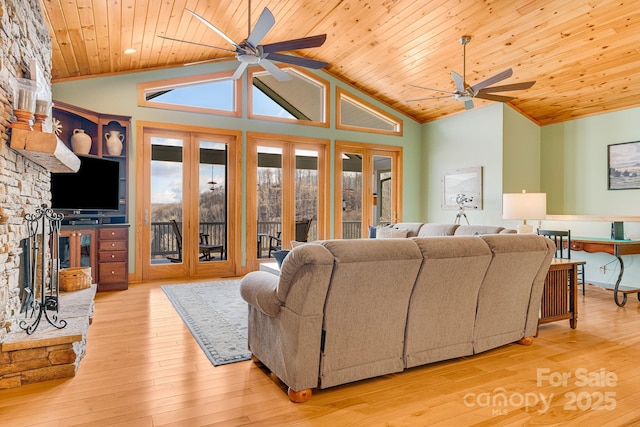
(25, 186)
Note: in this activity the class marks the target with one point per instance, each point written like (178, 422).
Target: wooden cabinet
(113, 271)
(78, 249)
(103, 129)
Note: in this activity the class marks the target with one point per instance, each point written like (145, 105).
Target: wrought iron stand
(43, 295)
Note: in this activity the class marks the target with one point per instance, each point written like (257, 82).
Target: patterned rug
(216, 315)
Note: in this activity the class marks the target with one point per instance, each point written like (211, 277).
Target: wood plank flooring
(143, 368)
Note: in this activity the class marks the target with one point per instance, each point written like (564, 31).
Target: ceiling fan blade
(506, 88)
(429, 88)
(238, 73)
(196, 43)
(498, 98)
(214, 28)
(274, 70)
(458, 81)
(468, 105)
(266, 21)
(296, 60)
(295, 44)
(426, 99)
(493, 79)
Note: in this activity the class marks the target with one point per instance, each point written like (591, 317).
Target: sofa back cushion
(442, 308)
(510, 295)
(470, 230)
(366, 308)
(435, 230)
(413, 228)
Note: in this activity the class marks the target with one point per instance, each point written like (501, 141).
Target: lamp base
(524, 229)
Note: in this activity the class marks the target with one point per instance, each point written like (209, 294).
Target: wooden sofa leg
(525, 341)
(299, 396)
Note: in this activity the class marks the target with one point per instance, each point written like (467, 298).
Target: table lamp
(524, 206)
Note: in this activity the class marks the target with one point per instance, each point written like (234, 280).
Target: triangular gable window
(356, 114)
(212, 93)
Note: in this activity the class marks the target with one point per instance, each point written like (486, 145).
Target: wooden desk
(617, 248)
(559, 301)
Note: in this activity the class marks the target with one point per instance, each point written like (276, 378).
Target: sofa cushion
(391, 233)
(433, 230)
(413, 228)
(471, 230)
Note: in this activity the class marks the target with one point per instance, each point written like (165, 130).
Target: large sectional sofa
(346, 310)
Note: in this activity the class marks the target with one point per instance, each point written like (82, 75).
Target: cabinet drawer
(112, 245)
(113, 233)
(112, 256)
(112, 272)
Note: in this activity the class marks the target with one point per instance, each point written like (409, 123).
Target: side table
(560, 294)
(270, 267)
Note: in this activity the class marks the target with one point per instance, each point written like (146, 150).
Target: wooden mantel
(45, 149)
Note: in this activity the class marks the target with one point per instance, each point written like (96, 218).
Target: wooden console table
(617, 248)
(559, 301)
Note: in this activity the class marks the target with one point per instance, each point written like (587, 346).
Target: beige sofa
(346, 310)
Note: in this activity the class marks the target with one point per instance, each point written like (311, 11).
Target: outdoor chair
(302, 234)
(204, 247)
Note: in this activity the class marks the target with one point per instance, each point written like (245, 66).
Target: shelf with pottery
(91, 133)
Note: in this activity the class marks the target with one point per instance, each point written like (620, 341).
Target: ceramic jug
(80, 142)
(114, 142)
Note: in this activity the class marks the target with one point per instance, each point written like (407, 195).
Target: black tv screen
(95, 187)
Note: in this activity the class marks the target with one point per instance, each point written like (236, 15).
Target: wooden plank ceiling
(584, 54)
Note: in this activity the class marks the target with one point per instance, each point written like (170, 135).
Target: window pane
(212, 207)
(166, 200)
(269, 195)
(306, 190)
(351, 196)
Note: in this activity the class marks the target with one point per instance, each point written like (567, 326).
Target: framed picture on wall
(462, 187)
(624, 165)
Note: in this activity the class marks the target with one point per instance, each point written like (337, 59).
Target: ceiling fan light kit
(483, 90)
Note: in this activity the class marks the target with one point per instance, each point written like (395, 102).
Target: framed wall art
(623, 166)
(462, 188)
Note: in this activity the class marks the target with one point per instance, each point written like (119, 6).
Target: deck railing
(163, 239)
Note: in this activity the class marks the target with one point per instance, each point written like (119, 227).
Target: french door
(368, 188)
(186, 202)
(287, 183)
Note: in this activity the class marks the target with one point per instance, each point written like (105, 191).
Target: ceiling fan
(250, 51)
(484, 90)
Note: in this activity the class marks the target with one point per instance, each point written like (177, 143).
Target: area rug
(216, 315)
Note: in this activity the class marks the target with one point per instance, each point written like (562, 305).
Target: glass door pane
(166, 209)
(382, 187)
(269, 199)
(306, 191)
(351, 196)
(212, 206)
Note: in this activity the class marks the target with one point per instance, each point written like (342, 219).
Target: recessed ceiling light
(130, 51)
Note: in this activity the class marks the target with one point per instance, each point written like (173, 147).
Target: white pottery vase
(114, 142)
(80, 142)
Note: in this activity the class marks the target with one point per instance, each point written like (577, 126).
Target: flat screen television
(95, 187)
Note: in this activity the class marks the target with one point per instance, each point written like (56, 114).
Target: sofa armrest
(258, 289)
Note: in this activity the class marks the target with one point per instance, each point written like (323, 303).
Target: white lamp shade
(524, 206)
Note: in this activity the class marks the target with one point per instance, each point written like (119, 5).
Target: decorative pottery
(80, 142)
(114, 142)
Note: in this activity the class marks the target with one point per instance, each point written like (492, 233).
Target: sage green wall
(521, 153)
(575, 172)
(118, 95)
(471, 138)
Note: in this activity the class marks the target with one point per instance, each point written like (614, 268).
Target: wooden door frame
(368, 151)
(288, 145)
(230, 267)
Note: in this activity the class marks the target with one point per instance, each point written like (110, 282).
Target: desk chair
(562, 240)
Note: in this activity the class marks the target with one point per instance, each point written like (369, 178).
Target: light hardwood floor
(143, 368)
